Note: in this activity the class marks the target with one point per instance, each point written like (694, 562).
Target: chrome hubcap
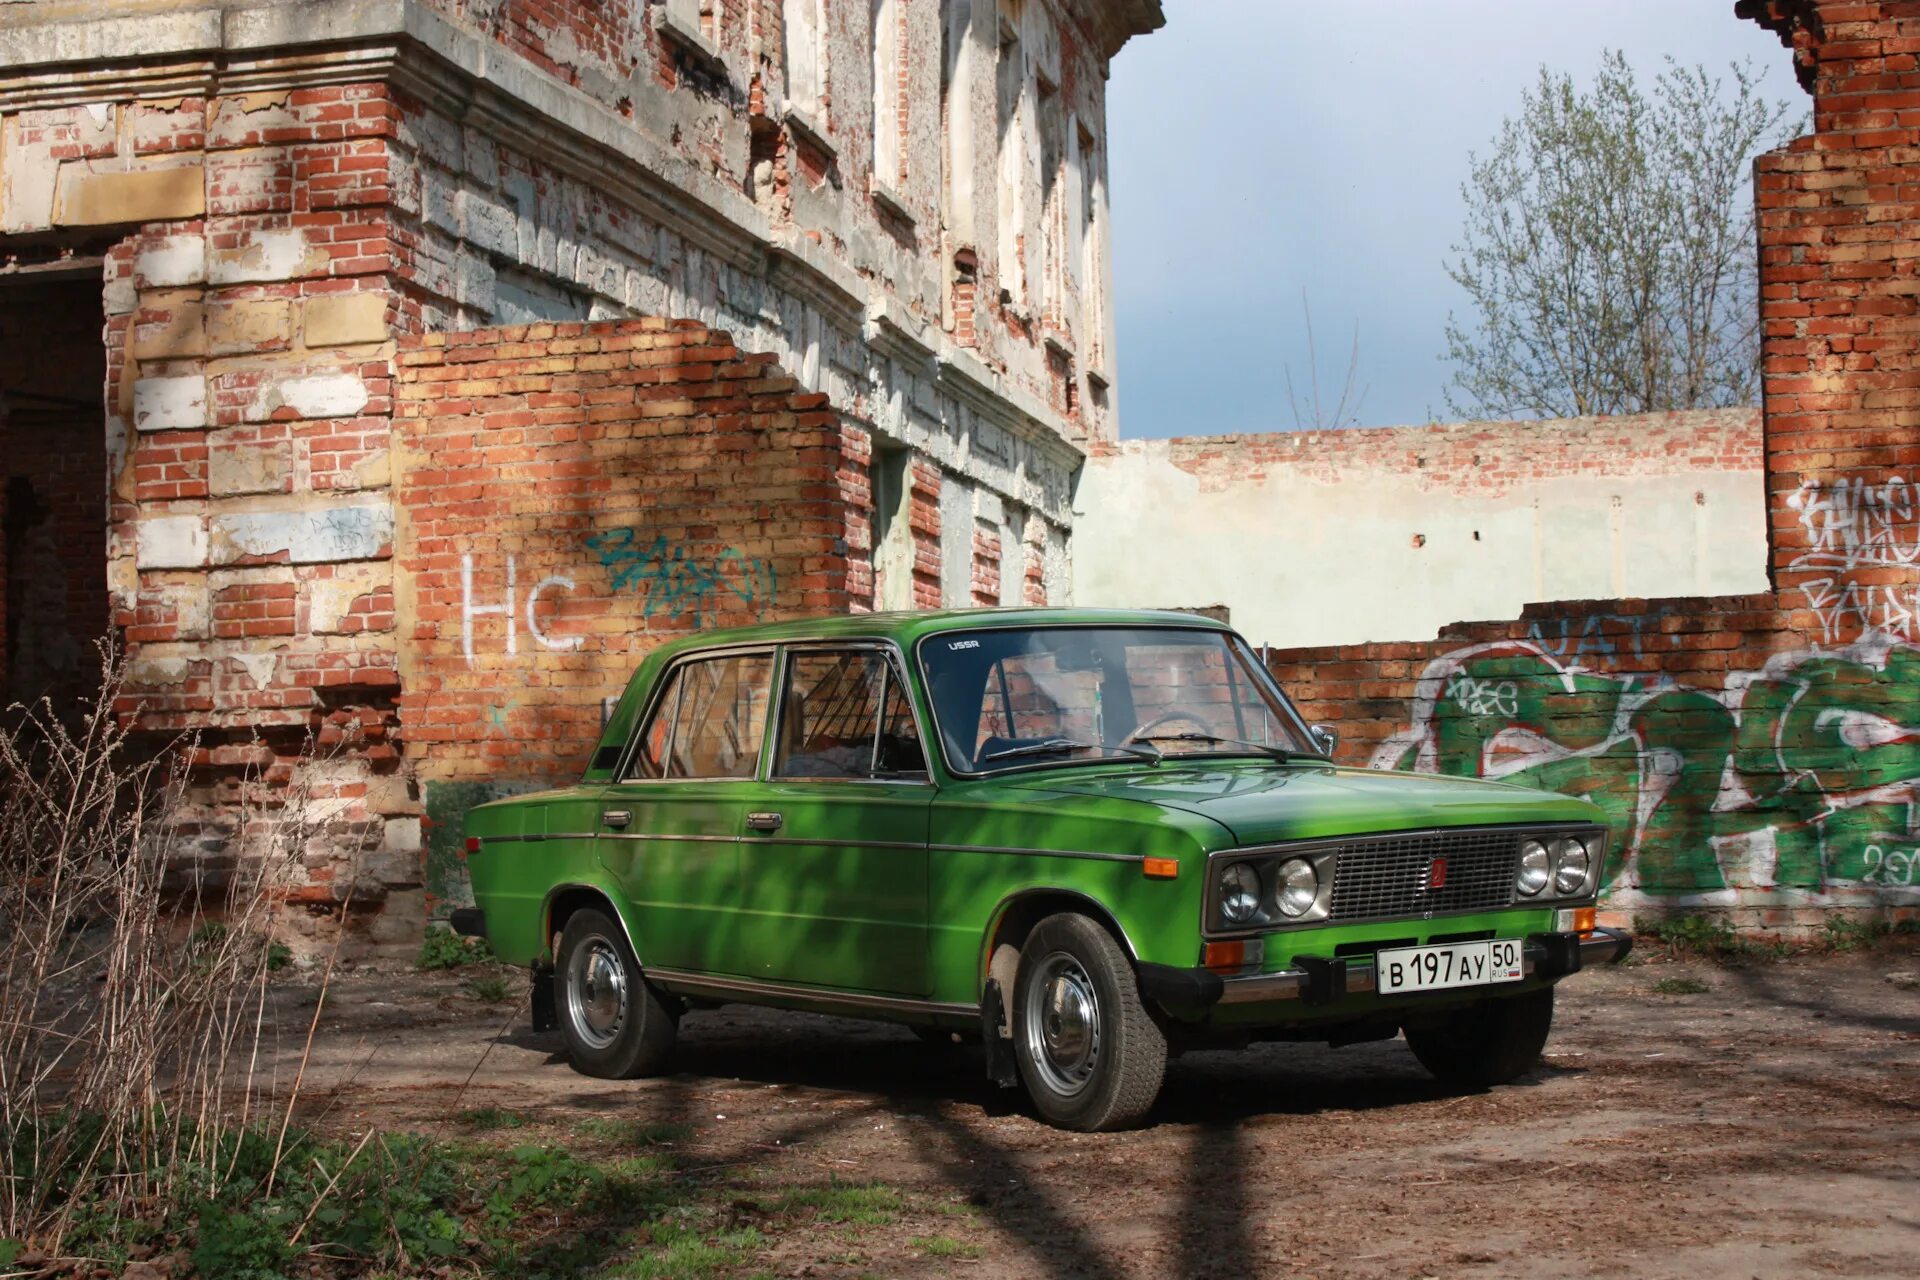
(596, 992)
(1062, 1024)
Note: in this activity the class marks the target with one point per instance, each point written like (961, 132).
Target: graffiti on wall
(1853, 524)
(1805, 774)
(676, 585)
(681, 584)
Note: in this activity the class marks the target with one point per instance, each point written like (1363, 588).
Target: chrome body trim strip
(657, 836)
(750, 990)
(1039, 853)
(836, 844)
(1286, 984)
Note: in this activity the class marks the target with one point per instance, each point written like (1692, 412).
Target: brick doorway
(53, 506)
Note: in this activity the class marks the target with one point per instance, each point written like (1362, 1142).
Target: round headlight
(1299, 887)
(1570, 863)
(1536, 868)
(1239, 893)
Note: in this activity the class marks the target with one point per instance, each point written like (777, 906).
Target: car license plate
(1452, 964)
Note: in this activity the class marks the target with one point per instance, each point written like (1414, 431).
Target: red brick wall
(612, 485)
(1473, 457)
(1754, 754)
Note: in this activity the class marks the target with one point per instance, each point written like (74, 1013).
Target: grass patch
(1680, 987)
(678, 1251)
(1710, 937)
(633, 1132)
(491, 988)
(491, 1118)
(944, 1247)
(867, 1203)
(445, 949)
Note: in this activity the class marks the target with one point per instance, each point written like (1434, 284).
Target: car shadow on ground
(904, 1073)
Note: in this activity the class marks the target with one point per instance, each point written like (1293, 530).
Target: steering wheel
(1170, 717)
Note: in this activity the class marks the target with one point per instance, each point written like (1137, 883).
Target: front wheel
(616, 1026)
(1488, 1043)
(1090, 1055)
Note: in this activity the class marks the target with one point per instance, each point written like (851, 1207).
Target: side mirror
(1325, 739)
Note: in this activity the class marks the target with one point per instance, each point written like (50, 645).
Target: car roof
(906, 627)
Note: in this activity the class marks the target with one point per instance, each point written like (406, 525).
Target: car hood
(1263, 803)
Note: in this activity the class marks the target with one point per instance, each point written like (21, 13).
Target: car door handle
(764, 821)
(617, 817)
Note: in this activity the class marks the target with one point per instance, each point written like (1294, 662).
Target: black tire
(617, 1028)
(1101, 1066)
(1488, 1043)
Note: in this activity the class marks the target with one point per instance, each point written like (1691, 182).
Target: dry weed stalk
(131, 1004)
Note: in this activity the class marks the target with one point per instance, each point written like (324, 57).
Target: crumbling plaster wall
(1316, 538)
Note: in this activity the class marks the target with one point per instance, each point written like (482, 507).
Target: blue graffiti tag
(681, 585)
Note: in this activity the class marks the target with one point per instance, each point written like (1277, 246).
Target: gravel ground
(1765, 1126)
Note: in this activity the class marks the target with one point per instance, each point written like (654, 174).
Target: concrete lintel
(968, 377)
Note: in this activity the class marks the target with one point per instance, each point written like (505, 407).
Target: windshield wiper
(1281, 754)
(1059, 746)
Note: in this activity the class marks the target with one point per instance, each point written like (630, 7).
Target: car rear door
(670, 829)
(833, 859)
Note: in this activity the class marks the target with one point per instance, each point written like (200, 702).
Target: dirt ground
(1767, 1126)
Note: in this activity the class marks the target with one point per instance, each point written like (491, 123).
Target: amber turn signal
(1585, 920)
(1161, 868)
(1225, 956)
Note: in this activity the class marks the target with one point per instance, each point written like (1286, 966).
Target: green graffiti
(447, 805)
(1814, 760)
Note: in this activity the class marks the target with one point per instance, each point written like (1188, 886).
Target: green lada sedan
(1088, 838)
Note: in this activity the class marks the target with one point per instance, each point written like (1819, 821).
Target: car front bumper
(1190, 994)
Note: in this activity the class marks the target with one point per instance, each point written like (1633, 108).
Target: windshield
(1014, 697)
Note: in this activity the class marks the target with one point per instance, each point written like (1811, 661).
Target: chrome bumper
(1552, 955)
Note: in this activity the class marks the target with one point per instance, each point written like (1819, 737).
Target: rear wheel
(1488, 1043)
(1089, 1053)
(616, 1026)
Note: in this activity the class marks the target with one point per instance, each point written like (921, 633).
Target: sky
(1259, 148)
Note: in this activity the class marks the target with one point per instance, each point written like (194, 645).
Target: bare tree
(1312, 414)
(1608, 247)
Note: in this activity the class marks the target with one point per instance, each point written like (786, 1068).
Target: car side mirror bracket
(1325, 738)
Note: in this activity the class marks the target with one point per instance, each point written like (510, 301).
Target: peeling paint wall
(1314, 538)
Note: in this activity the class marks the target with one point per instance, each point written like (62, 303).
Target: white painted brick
(170, 404)
(171, 542)
(403, 835)
(173, 261)
(320, 395)
(269, 255)
(307, 537)
(489, 222)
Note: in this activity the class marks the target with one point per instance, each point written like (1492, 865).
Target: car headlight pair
(1565, 863)
(1296, 887)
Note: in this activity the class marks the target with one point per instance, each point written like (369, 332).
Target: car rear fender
(564, 899)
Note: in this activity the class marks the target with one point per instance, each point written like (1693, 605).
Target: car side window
(710, 721)
(845, 716)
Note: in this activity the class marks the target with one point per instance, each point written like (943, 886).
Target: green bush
(445, 949)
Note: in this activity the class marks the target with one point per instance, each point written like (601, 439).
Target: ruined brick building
(454, 350)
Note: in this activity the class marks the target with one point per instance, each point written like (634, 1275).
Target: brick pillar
(1840, 304)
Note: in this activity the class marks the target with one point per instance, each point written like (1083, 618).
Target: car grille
(1387, 877)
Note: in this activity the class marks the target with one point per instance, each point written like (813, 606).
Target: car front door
(833, 860)
(670, 829)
